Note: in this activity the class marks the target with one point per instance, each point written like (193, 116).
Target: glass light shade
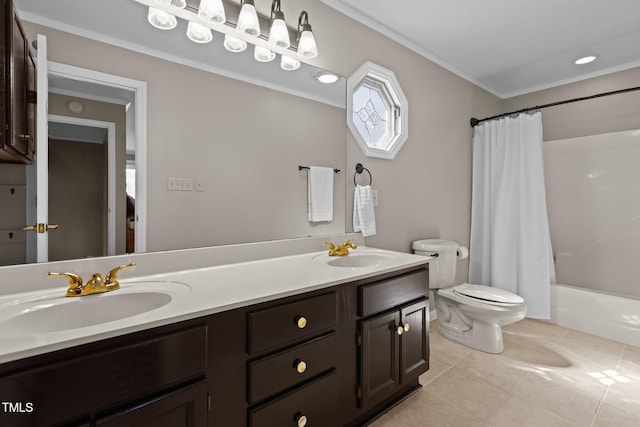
(307, 45)
(212, 11)
(248, 20)
(288, 63)
(234, 44)
(262, 54)
(161, 19)
(279, 34)
(175, 3)
(199, 33)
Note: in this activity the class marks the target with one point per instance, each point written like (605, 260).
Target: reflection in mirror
(241, 138)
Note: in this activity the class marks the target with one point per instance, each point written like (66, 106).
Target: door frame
(111, 169)
(140, 95)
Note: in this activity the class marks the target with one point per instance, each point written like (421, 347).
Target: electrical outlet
(180, 184)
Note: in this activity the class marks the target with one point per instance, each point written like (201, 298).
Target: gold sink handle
(342, 249)
(111, 280)
(75, 283)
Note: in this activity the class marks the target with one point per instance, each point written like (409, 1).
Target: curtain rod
(474, 122)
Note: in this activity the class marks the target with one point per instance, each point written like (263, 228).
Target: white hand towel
(364, 218)
(320, 194)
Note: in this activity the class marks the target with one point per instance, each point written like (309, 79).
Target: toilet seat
(487, 294)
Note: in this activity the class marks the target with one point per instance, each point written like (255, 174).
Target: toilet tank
(442, 270)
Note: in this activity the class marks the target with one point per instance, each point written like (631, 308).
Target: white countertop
(194, 293)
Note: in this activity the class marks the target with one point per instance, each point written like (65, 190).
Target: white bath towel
(364, 218)
(320, 194)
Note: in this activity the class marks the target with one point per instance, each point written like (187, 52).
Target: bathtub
(596, 313)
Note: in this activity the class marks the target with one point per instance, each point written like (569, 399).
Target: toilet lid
(487, 293)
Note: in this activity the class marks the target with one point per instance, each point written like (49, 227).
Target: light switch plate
(180, 184)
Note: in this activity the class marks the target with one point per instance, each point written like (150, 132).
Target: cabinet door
(186, 407)
(19, 89)
(414, 342)
(379, 360)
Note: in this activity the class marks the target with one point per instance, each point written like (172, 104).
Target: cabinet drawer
(289, 322)
(380, 296)
(317, 402)
(272, 374)
(107, 378)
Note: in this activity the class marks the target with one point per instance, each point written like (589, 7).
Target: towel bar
(307, 167)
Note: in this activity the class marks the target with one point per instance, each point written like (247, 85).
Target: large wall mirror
(236, 127)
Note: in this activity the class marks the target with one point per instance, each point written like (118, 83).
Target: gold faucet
(95, 285)
(340, 250)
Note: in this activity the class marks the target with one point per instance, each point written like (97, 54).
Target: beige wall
(102, 111)
(592, 117)
(424, 192)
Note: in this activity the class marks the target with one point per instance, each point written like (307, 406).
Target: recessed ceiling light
(584, 60)
(326, 77)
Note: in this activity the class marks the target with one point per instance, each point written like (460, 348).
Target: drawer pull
(406, 327)
(300, 366)
(400, 330)
(301, 322)
(301, 420)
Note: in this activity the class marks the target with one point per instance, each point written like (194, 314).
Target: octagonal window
(377, 111)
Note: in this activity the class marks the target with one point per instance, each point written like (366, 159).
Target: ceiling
(510, 47)
(507, 47)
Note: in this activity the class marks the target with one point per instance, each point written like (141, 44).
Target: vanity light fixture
(307, 48)
(279, 33)
(585, 60)
(198, 33)
(248, 20)
(211, 15)
(212, 11)
(161, 19)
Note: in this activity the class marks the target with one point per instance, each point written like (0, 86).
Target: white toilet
(472, 315)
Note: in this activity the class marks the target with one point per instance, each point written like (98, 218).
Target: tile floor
(547, 376)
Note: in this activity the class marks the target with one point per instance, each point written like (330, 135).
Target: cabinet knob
(300, 366)
(406, 327)
(301, 420)
(400, 330)
(301, 322)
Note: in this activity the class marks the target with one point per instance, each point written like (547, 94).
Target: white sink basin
(51, 312)
(359, 260)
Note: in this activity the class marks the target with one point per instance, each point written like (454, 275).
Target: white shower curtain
(510, 244)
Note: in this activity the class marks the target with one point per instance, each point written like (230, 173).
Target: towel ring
(359, 169)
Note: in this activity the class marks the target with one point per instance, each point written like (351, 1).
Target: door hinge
(208, 402)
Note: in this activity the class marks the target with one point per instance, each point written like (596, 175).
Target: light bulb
(212, 11)
(161, 19)
(199, 33)
(234, 44)
(279, 34)
(248, 19)
(262, 54)
(288, 63)
(307, 48)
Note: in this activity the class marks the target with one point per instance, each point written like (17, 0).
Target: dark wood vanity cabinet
(331, 357)
(17, 90)
(125, 381)
(392, 336)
